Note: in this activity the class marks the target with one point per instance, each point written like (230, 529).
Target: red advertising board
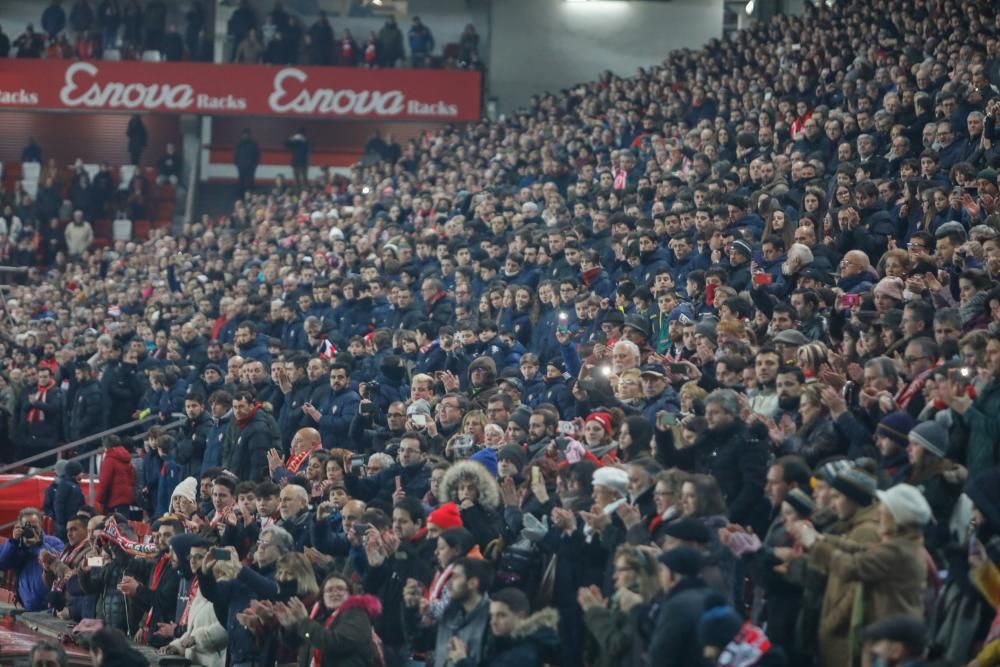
(255, 90)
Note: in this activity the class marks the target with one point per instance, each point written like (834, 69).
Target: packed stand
(284, 39)
(700, 367)
(115, 30)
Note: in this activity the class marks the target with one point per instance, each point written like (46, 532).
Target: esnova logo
(292, 94)
(81, 89)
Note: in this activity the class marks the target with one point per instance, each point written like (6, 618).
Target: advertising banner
(253, 90)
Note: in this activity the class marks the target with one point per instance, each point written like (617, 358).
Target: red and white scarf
(37, 414)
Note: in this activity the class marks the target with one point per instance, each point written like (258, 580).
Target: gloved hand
(534, 530)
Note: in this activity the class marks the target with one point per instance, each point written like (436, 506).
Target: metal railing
(91, 456)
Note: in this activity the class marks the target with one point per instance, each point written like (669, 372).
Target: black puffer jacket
(248, 446)
(735, 455)
(87, 415)
(114, 609)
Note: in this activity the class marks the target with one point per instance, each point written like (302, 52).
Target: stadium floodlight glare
(751, 5)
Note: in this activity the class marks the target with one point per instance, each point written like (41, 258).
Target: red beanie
(446, 517)
(603, 418)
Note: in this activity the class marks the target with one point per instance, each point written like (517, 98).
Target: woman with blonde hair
(474, 423)
(610, 628)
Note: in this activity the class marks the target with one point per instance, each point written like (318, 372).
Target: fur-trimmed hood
(489, 492)
(369, 604)
(544, 619)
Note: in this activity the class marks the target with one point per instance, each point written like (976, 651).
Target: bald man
(306, 441)
(855, 273)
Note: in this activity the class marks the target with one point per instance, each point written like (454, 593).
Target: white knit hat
(615, 479)
(188, 488)
(907, 505)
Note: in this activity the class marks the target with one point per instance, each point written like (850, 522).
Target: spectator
(169, 166)
(54, 19)
(32, 152)
(390, 43)
(421, 43)
(116, 492)
(79, 235)
(298, 146)
(81, 17)
(20, 554)
(250, 50)
(109, 19)
(29, 44)
(136, 134)
(246, 157)
(4, 44)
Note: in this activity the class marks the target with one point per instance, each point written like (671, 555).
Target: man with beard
(764, 398)
(788, 387)
(732, 453)
(339, 407)
(461, 633)
(294, 390)
(158, 595)
(541, 430)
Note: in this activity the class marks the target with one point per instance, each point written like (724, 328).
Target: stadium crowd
(130, 29)
(698, 367)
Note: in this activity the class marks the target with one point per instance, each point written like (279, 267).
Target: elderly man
(293, 506)
(306, 441)
(624, 355)
(855, 273)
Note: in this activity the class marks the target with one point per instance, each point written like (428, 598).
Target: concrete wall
(538, 45)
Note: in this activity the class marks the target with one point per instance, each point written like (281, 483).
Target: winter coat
(31, 588)
(234, 596)
(674, 641)
(533, 643)
(210, 638)
(611, 636)
(980, 428)
(843, 584)
(248, 446)
(214, 442)
(469, 627)
(481, 518)
(113, 608)
(338, 410)
(78, 238)
(87, 412)
(386, 582)
(736, 457)
(121, 387)
(347, 641)
(291, 418)
(415, 479)
(67, 501)
(191, 445)
(117, 477)
(171, 474)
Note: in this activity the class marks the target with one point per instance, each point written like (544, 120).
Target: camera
(28, 532)
(370, 388)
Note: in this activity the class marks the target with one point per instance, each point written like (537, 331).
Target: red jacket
(117, 479)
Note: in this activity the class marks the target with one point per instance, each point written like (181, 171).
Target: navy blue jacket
(338, 409)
